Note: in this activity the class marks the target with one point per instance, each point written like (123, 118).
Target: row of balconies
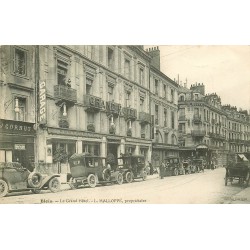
(95, 104)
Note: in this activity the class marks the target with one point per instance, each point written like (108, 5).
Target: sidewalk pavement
(243, 197)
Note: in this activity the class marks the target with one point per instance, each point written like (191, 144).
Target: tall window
(110, 58)
(172, 119)
(143, 130)
(128, 95)
(172, 95)
(182, 113)
(165, 91)
(141, 104)
(127, 68)
(173, 140)
(165, 117)
(90, 118)
(165, 138)
(89, 84)
(141, 76)
(110, 92)
(62, 70)
(156, 86)
(156, 114)
(20, 108)
(20, 62)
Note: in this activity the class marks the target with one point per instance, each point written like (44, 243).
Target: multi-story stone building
(93, 99)
(17, 104)
(164, 111)
(205, 126)
(238, 129)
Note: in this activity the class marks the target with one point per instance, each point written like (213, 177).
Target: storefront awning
(243, 157)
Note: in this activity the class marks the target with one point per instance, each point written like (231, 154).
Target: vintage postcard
(124, 124)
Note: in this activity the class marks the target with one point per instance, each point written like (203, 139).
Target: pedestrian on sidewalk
(162, 170)
(151, 169)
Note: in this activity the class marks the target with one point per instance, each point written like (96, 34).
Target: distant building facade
(205, 126)
(164, 111)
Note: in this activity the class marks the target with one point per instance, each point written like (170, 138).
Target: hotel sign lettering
(16, 127)
(112, 107)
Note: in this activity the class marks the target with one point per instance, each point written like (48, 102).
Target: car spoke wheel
(119, 178)
(72, 183)
(92, 180)
(4, 189)
(54, 185)
(35, 180)
(129, 177)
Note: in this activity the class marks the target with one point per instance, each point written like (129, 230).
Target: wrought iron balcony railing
(144, 117)
(65, 94)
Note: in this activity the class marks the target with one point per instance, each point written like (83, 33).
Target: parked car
(198, 165)
(132, 167)
(186, 166)
(90, 169)
(14, 177)
(173, 166)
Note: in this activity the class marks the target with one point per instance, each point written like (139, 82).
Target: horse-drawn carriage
(88, 169)
(238, 168)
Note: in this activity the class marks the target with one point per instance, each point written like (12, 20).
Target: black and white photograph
(125, 124)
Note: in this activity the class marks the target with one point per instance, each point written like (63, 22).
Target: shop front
(61, 144)
(17, 142)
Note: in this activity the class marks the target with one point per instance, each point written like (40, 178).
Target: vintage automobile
(88, 169)
(238, 168)
(198, 165)
(132, 167)
(14, 177)
(173, 166)
(186, 166)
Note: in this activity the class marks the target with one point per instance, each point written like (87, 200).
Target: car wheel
(92, 180)
(36, 191)
(119, 179)
(54, 185)
(35, 180)
(4, 189)
(72, 183)
(129, 177)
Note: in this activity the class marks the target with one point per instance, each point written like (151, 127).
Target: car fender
(46, 180)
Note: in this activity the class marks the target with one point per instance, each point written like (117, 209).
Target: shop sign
(16, 127)
(19, 147)
(73, 133)
(42, 103)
